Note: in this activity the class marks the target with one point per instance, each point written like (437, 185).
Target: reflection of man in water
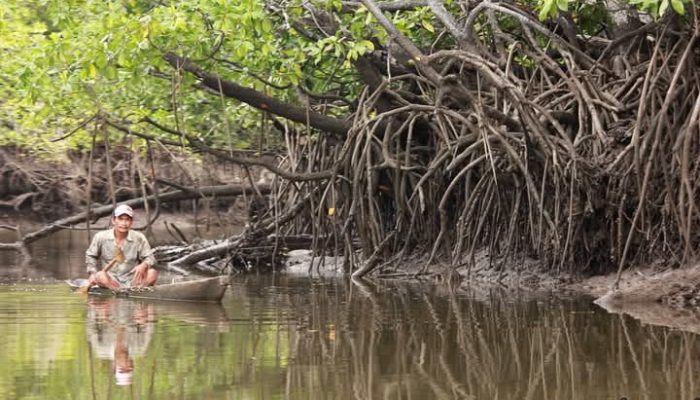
(119, 330)
(123, 364)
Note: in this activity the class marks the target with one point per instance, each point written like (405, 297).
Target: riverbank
(651, 294)
(522, 274)
(23, 209)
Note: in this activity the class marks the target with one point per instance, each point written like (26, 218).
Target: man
(137, 254)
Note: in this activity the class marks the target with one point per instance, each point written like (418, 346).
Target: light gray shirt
(103, 249)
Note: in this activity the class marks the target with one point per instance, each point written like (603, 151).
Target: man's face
(122, 223)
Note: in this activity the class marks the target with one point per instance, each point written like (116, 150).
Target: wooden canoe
(206, 290)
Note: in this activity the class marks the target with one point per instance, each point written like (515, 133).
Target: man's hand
(140, 273)
(92, 278)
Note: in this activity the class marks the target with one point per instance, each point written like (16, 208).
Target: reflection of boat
(191, 312)
(207, 289)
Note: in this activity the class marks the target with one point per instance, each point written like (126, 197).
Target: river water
(284, 337)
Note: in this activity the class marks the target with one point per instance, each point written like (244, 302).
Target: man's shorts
(124, 280)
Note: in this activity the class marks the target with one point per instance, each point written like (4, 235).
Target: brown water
(277, 337)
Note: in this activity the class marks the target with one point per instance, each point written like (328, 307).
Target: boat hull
(202, 290)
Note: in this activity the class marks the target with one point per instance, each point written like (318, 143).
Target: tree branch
(225, 155)
(259, 100)
(388, 6)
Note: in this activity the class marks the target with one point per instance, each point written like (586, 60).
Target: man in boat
(126, 253)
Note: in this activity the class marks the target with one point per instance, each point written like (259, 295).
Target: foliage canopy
(65, 61)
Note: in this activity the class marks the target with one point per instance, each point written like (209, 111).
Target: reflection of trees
(383, 341)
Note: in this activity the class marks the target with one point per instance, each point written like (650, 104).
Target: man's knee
(151, 277)
(103, 279)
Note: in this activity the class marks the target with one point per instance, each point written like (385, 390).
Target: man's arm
(146, 261)
(145, 252)
(92, 256)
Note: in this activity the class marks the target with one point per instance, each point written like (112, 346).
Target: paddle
(118, 257)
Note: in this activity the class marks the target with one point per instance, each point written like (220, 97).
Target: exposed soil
(653, 294)
(600, 285)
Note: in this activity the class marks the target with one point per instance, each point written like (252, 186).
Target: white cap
(124, 378)
(123, 209)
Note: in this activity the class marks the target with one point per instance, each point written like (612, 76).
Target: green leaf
(678, 6)
(266, 27)
(547, 10)
(110, 72)
(294, 80)
(101, 60)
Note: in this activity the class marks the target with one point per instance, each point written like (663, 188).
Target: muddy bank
(664, 298)
(653, 294)
(672, 288)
